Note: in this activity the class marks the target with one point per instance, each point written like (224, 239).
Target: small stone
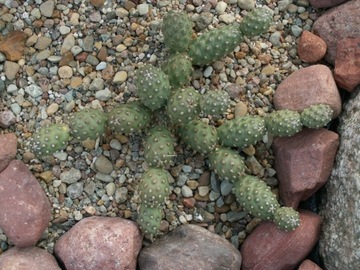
(220, 7)
(103, 165)
(268, 70)
(110, 189)
(11, 69)
(103, 95)
(97, 84)
(47, 8)
(67, 44)
(97, 3)
(296, 30)
(143, 9)
(53, 108)
(308, 265)
(33, 90)
(208, 71)
(42, 43)
(120, 77)
(203, 190)
(186, 191)
(227, 18)
(246, 4)
(65, 72)
(7, 118)
(75, 190)
(275, 39)
(226, 187)
(71, 176)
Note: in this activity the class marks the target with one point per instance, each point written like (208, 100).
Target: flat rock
(309, 265)
(325, 3)
(340, 238)
(94, 243)
(31, 258)
(190, 247)
(347, 63)
(25, 209)
(269, 248)
(308, 86)
(311, 48)
(8, 149)
(13, 45)
(336, 24)
(303, 163)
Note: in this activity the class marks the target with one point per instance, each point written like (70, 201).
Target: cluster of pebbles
(82, 53)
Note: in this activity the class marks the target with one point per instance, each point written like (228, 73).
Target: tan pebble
(250, 150)
(240, 109)
(97, 3)
(128, 41)
(90, 210)
(26, 104)
(192, 184)
(203, 190)
(120, 47)
(127, 213)
(121, 138)
(53, 108)
(120, 77)
(201, 198)
(28, 156)
(46, 176)
(11, 69)
(268, 70)
(88, 144)
(65, 72)
(31, 40)
(76, 82)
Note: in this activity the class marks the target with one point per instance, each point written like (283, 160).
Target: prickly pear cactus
(200, 136)
(241, 131)
(178, 68)
(256, 22)
(49, 139)
(286, 218)
(177, 31)
(129, 118)
(154, 187)
(316, 116)
(159, 147)
(214, 44)
(87, 124)
(256, 197)
(153, 87)
(215, 102)
(283, 123)
(227, 164)
(183, 106)
(149, 219)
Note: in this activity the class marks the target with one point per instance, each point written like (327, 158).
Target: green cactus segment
(49, 139)
(200, 136)
(129, 118)
(179, 69)
(215, 102)
(159, 147)
(242, 131)
(214, 44)
(286, 219)
(256, 22)
(256, 197)
(177, 31)
(227, 164)
(316, 116)
(183, 106)
(154, 187)
(87, 124)
(149, 219)
(283, 123)
(153, 87)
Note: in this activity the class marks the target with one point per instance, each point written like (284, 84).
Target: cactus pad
(283, 123)
(149, 219)
(215, 102)
(256, 22)
(179, 68)
(316, 116)
(286, 218)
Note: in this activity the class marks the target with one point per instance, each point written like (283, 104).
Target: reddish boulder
(8, 148)
(309, 265)
(110, 243)
(25, 209)
(311, 48)
(31, 258)
(325, 3)
(190, 247)
(347, 64)
(336, 24)
(269, 248)
(308, 86)
(303, 163)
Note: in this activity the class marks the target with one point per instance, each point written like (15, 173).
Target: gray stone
(103, 95)
(71, 176)
(47, 8)
(340, 238)
(75, 190)
(34, 90)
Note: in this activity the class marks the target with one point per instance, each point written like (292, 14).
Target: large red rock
(308, 86)
(309, 265)
(190, 247)
(303, 163)
(347, 63)
(325, 3)
(8, 148)
(94, 243)
(336, 24)
(31, 258)
(269, 248)
(311, 48)
(25, 209)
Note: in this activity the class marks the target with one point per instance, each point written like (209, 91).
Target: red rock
(94, 243)
(347, 64)
(309, 265)
(13, 45)
(81, 57)
(338, 23)
(8, 143)
(31, 258)
(190, 247)
(325, 3)
(303, 163)
(25, 209)
(269, 248)
(308, 86)
(311, 48)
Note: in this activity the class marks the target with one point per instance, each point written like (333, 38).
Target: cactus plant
(215, 102)
(256, 22)
(153, 87)
(129, 118)
(316, 116)
(49, 139)
(179, 68)
(286, 218)
(87, 124)
(283, 123)
(149, 219)
(241, 131)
